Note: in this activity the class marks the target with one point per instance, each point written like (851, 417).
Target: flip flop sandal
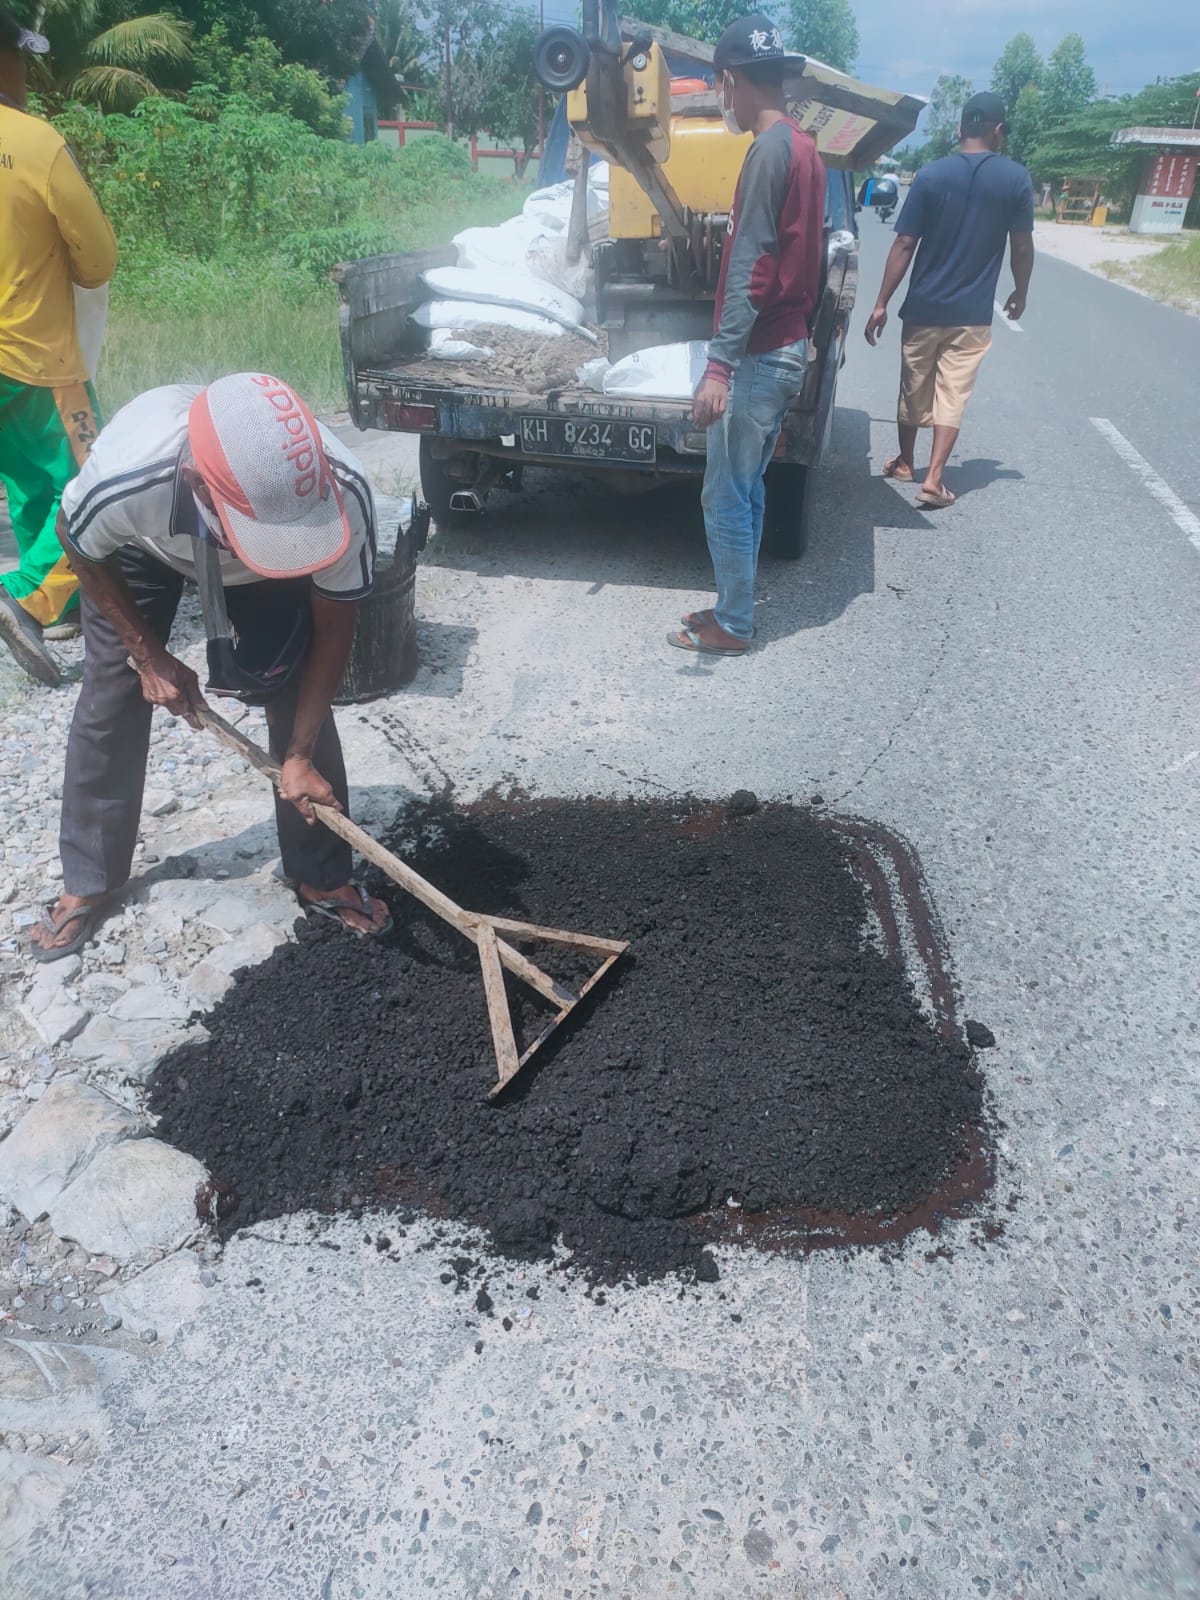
(700, 619)
(935, 501)
(23, 637)
(86, 916)
(689, 639)
(891, 469)
(333, 909)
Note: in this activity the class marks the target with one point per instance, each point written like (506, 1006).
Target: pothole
(761, 1067)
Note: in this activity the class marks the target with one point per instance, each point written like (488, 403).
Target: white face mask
(212, 522)
(732, 125)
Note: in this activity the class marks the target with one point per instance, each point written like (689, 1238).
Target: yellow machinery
(673, 165)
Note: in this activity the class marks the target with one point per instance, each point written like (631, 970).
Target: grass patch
(187, 320)
(1172, 275)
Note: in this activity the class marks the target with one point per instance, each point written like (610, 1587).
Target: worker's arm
(894, 272)
(333, 634)
(1020, 256)
(166, 681)
(86, 231)
(1020, 244)
(761, 191)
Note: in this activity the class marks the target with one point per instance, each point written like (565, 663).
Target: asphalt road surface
(1010, 685)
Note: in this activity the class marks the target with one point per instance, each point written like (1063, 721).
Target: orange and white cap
(258, 448)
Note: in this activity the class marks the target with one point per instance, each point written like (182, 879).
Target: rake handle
(399, 871)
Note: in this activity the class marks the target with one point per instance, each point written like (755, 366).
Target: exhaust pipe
(465, 500)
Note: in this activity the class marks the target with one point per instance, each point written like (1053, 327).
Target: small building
(1168, 176)
(373, 91)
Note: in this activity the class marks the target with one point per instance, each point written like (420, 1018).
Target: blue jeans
(740, 447)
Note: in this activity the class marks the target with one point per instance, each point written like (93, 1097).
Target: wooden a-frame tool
(496, 954)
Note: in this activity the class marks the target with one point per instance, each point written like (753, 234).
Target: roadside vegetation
(230, 220)
(216, 139)
(1171, 275)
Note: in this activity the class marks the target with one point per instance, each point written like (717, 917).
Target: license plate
(590, 439)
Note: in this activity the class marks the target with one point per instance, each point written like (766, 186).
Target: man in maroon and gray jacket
(766, 296)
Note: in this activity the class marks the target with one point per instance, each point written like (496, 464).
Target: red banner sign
(1169, 177)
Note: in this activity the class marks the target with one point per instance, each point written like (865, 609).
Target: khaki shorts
(937, 374)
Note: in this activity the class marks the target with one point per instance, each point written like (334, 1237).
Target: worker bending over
(53, 235)
(238, 488)
(766, 296)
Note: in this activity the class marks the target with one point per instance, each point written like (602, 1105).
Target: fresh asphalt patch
(755, 1052)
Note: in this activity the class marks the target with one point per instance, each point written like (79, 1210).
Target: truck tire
(788, 510)
(437, 486)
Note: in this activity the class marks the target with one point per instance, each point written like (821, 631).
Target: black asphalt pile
(752, 1046)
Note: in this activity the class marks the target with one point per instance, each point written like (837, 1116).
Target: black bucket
(383, 657)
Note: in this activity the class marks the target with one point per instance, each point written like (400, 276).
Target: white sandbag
(91, 318)
(505, 246)
(591, 373)
(468, 314)
(496, 286)
(551, 208)
(546, 258)
(664, 372)
(443, 346)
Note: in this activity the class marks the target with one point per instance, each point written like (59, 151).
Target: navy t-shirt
(962, 209)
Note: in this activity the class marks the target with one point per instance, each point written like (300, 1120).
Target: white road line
(1013, 327)
(1184, 519)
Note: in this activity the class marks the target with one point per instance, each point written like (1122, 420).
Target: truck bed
(393, 384)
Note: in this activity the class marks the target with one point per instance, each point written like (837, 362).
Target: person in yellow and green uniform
(53, 236)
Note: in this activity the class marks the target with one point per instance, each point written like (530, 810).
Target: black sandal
(87, 918)
(334, 910)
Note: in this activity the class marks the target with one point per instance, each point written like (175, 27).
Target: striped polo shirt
(131, 492)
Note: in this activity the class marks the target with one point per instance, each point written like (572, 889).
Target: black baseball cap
(984, 110)
(15, 36)
(751, 39)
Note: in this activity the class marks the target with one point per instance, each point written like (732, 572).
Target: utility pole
(449, 96)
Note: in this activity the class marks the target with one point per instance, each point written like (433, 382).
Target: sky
(906, 47)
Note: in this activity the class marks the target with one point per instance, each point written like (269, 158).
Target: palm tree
(402, 41)
(101, 54)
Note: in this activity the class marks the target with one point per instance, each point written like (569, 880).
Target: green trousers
(45, 435)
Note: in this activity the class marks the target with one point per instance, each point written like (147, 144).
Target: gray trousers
(110, 738)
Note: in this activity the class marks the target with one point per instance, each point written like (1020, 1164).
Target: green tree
(402, 41)
(326, 35)
(1080, 146)
(462, 35)
(1019, 66)
(509, 93)
(1171, 104)
(826, 29)
(259, 72)
(705, 20)
(1024, 123)
(950, 94)
(104, 53)
(1070, 84)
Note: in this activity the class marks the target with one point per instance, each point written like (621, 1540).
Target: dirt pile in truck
(754, 1050)
(525, 361)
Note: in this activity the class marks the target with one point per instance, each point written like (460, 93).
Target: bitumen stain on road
(754, 1047)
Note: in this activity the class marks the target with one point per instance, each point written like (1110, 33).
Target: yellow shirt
(53, 235)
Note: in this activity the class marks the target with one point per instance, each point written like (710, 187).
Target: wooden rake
(495, 953)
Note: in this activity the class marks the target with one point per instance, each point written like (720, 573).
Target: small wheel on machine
(438, 487)
(788, 510)
(560, 58)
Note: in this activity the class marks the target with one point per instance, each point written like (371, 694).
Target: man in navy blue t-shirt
(960, 213)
